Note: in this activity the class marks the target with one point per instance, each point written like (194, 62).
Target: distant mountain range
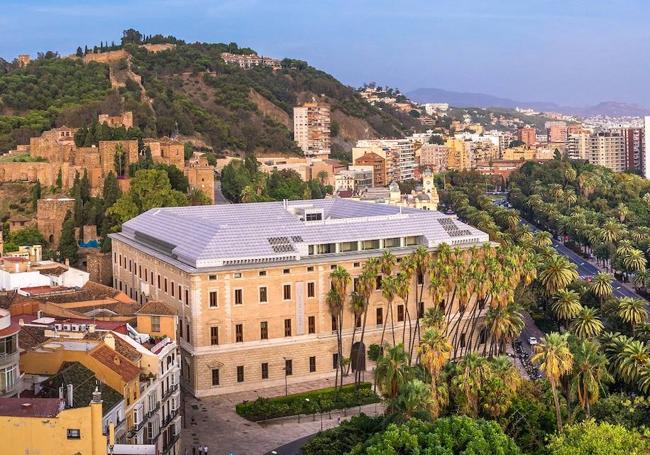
(464, 99)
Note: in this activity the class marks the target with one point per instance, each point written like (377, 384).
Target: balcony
(7, 359)
(168, 445)
(173, 388)
(152, 412)
(167, 419)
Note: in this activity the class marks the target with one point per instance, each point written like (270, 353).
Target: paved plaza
(212, 421)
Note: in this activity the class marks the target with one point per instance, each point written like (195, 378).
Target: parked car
(532, 341)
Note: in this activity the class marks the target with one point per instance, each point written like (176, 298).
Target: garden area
(312, 402)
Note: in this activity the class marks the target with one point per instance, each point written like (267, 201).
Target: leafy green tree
(591, 438)
(59, 180)
(68, 247)
(26, 236)
(448, 435)
(80, 52)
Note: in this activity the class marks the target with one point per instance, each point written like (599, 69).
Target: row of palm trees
(472, 291)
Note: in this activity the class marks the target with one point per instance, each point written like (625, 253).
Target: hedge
(321, 400)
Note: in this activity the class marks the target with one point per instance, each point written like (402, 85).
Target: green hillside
(188, 89)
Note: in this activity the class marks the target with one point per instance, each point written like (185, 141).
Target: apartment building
(556, 132)
(398, 153)
(311, 128)
(249, 281)
(354, 179)
(10, 377)
(578, 145)
(527, 135)
(434, 156)
(645, 161)
(378, 165)
(139, 374)
(607, 148)
(633, 140)
(459, 157)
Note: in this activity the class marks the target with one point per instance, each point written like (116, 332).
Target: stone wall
(125, 119)
(50, 213)
(201, 178)
(99, 267)
(106, 57)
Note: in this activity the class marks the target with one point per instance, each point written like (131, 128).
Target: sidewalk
(212, 421)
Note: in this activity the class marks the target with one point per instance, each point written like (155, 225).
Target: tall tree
(68, 244)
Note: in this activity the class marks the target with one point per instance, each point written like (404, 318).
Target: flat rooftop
(206, 237)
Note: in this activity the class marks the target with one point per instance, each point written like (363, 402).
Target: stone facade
(226, 324)
(200, 175)
(167, 151)
(99, 267)
(125, 119)
(50, 213)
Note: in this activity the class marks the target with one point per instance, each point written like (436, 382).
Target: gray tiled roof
(217, 235)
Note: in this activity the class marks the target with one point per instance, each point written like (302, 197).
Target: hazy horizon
(572, 53)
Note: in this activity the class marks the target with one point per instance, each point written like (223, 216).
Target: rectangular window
(287, 327)
(400, 313)
(152, 279)
(411, 240)
(335, 326)
(357, 320)
(370, 245)
(264, 330)
(263, 296)
(139, 271)
(286, 292)
(115, 258)
(420, 309)
(356, 264)
(380, 316)
(462, 340)
(179, 292)
(335, 360)
(262, 273)
(482, 336)
(265, 370)
(129, 265)
(165, 285)
(378, 282)
(212, 277)
(187, 297)
(391, 243)
(172, 285)
(355, 284)
(158, 281)
(240, 373)
(215, 376)
(214, 336)
(74, 433)
(288, 367)
(286, 271)
(311, 289)
(213, 299)
(348, 246)
(311, 324)
(239, 333)
(420, 278)
(310, 268)
(312, 364)
(187, 326)
(239, 296)
(326, 248)
(180, 329)
(155, 323)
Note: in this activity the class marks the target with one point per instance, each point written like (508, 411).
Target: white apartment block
(311, 129)
(398, 153)
(608, 149)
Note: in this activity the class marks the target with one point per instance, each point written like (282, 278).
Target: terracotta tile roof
(157, 308)
(116, 362)
(14, 327)
(127, 350)
(30, 337)
(29, 407)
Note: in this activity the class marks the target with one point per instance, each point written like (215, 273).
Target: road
(586, 268)
(219, 198)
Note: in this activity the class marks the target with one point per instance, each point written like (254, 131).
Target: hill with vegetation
(187, 89)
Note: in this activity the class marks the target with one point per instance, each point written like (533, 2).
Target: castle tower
(429, 186)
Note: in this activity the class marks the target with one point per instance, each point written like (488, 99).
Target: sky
(572, 52)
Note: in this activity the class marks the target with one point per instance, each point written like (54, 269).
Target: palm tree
(357, 307)
(631, 359)
(542, 239)
(634, 261)
(387, 262)
(566, 305)
(589, 373)
(473, 370)
(601, 286)
(554, 358)
(557, 273)
(586, 324)
(336, 302)
(413, 398)
(365, 287)
(641, 279)
(391, 371)
(504, 324)
(388, 291)
(632, 311)
(435, 351)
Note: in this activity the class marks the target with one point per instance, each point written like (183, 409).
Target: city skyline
(552, 53)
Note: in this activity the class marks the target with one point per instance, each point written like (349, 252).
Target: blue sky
(574, 52)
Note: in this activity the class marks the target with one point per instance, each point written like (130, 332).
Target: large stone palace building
(250, 281)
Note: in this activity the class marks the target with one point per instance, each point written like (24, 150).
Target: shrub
(323, 400)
